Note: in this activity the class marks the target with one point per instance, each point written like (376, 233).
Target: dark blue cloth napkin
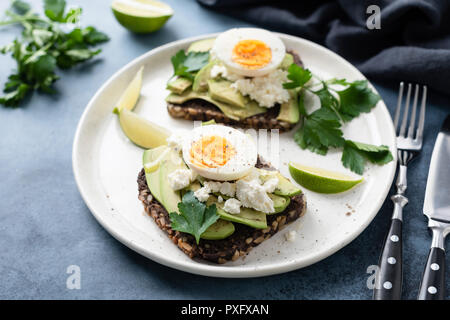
(413, 43)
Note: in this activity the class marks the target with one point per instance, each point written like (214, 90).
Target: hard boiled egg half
(249, 52)
(219, 153)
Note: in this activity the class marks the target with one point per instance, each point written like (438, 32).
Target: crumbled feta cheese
(270, 185)
(219, 199)
(228, 189)
(232, 206)
(218, 70)
(291, 235)
(267, 90)
(225, 188)
(179, 179)
(253, 195)
(213, 186)
(175, 141)
(202, 194)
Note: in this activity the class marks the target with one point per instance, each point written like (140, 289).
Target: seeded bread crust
(238, 244)
(201, 110)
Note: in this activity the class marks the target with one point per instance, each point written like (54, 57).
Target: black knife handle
(389, 278)
(432, 286)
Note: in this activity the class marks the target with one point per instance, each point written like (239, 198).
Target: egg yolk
(251, 54)
(211, 151)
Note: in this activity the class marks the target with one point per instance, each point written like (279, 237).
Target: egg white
(237, 166)
(225, 42)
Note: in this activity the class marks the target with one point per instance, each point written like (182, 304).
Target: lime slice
(142, 132)
(321, 180)
(141, 16)
(152, 166)
(131, 94)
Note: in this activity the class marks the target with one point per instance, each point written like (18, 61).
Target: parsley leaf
(184, 65)
(44, 47)
(54, 9)
(195, 217)
(357, 98)
(320, 130)
(356, 153)
(298, 77)
(21, 7)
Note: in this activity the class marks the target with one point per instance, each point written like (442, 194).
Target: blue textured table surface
(45, 225)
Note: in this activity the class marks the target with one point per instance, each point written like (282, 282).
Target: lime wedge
(321, 180)
(131, 94)
(141, 16)
(142, 132)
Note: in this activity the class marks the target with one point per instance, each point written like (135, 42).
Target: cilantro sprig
(44, 47)
(355, 155)
(185, 64)
(195, 217)
(321, 129)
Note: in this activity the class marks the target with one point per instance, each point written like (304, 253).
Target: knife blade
(437, 195)
(437, 208)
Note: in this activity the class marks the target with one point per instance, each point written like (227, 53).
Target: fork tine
(399, 106)
(412, 120)
(405, 115)
(419, 133)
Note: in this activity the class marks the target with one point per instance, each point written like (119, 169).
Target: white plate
(106, 165)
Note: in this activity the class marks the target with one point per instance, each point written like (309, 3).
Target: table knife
(437, 209)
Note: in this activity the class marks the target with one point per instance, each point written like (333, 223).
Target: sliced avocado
(220, 229)
(249, 217)
(284, 188)
(280, 203)
(289, 110)
(179, 85)
(201, 45)
(153, 178)
(230, 111)
(202, 77)
(169, 197)
(221, 90)
(287, 61)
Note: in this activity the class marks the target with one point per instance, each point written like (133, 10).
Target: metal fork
(389, 275)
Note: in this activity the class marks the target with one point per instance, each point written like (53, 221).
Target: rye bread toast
(201, 110)
(238, 244)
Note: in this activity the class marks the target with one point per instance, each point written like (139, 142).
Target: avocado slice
(249, 217)
(284, 188)
(221, 90)
(153, 177)
(157, 180)
(201, 45)
(287, 61)
(289, 110)
(220, 229)
(230, 111)
(179, 85)
(169, 197)
(202, 77)
(280, 203)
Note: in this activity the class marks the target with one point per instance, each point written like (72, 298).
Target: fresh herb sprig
(321, 129)
(195, 217)
(44, 47)
(185, 64)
